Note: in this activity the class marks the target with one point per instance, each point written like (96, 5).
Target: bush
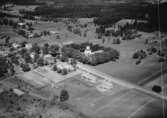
(138, 62)
(25, 67)
(3, 66)
(53, 50)
(36, 48)
(160, 53)
(64, 95)
(152, 50)
(157, 88)
(139, 55)
(64, 72)
(162, 59)
(40, 62)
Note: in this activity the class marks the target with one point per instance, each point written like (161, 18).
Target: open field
(117, 104)
(125, 68)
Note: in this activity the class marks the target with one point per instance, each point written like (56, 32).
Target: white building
(15, 45)
(18, 92)
(87, 51)
(21, 24)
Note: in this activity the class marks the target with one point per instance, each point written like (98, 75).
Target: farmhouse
(89, 52)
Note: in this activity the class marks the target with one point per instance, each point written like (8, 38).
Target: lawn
(153, 109)
(126, 105)
(125, 68)
(123, 103)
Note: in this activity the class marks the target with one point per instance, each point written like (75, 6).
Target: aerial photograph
(83, 59)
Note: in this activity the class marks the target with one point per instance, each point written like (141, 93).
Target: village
(54, 66)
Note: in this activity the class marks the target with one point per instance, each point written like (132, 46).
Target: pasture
(127, 103)
(125, 68)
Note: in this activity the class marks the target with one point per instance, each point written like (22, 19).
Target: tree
(64, 95)
(116, 41)
(7, 40)
(27, 58)
(23, 44)
(58, 37)
(64, 72)
(69, 28)
(157, 88)
(23, 51)
(103, 40)
(54, 68)
(54, 100)
(138, 62)
(35, 48)
(100, 30)
(64, 58)
(74, 62)
(53, 50)
(139, 55)
(25, 67)
(36, 57)
(15, 59)
(3, 66)
(5, 21)
(40, 62)
(45, 48)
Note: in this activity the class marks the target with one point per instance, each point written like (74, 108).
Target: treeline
(66, 12)
(156, 17)
(7, 15)
(104, 13)
(123, 11)
(21, 2)
(158, 20)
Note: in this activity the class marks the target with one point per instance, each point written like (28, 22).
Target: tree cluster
(140, 54)
(5, 66)
(76, 51)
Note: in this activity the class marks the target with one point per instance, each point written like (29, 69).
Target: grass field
(125, 68)
(125, 103)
